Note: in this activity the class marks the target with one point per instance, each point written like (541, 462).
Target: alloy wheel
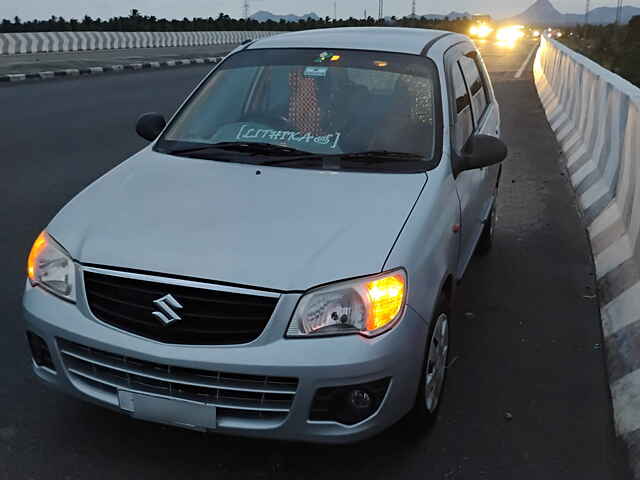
(437, 363)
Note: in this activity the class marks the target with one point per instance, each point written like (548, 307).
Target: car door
(486, 122)
(473, 111)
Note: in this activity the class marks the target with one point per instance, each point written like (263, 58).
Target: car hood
(278, 228)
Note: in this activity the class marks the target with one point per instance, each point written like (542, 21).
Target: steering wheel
(274, 121)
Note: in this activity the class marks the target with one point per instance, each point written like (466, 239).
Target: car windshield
(307, 108)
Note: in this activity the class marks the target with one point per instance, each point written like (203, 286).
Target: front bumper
(316, 363)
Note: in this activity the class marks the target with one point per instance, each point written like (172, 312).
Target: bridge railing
(17, 43)
(596, 117)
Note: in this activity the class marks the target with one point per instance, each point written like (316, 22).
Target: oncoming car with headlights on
(281, 260)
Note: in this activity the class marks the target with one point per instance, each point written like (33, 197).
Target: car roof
(385, 39)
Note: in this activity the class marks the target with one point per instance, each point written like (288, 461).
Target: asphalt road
(526, 337)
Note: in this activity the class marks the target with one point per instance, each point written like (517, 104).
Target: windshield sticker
(246, 133)
(320, 72)
(322, 57)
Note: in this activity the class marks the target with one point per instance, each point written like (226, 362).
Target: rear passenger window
(464, 119)
(476, 86)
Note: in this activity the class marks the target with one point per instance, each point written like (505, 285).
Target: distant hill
(264, 16)
(608, 14)
(543, 12)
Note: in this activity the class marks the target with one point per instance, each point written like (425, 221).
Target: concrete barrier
(596, 117)
(16, 43)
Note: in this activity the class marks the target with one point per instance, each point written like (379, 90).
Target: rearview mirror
(482, 151)
(150, 125)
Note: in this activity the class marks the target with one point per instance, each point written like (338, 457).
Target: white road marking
(526, 62)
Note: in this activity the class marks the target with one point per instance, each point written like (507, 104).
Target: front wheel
(434, 368)
(486, 238)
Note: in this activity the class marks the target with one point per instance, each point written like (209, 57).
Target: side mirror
(482, 151)
(150, 125)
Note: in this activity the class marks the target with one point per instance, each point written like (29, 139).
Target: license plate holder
(182, 413)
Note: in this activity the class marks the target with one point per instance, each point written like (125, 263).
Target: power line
(413, 8)
(335, 10)
(380, 9)
(586, 13)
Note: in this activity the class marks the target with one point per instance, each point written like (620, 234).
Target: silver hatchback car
(281, 260)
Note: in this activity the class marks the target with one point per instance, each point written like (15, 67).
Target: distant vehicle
(548, 32)
(481, 26)
(510, 33)
(481, 18)
(281, 260)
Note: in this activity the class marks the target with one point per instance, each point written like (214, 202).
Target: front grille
(208, 317)
(236, 396)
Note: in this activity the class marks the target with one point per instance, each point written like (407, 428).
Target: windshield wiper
(244, 147)
(371, 156)
(374, 155)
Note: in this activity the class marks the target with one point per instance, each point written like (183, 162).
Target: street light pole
(619, 13)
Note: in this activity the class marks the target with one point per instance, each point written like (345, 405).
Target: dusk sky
(29, 9)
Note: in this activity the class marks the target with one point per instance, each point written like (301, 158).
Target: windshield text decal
(245, 133)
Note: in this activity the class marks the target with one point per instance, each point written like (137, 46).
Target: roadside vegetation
(615, 47)
(137, 22)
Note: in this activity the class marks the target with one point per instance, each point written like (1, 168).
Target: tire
(434, 368)
(486, 237)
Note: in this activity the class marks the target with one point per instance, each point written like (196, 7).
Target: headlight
(484, 31)
(366, 306)
(50, 267)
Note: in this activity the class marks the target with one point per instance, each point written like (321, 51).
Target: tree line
(615, 47)
(137, 22)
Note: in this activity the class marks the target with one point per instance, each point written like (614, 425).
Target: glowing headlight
(367, 306)
(50, 267)
(510, 34)
(481, 30)
(484, 31)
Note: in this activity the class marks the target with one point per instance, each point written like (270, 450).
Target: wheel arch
(447, 291)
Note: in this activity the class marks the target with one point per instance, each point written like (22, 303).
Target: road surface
(526, 337)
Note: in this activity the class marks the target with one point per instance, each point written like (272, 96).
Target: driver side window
(463, 127)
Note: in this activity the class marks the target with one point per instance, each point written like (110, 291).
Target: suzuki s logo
(166, 314)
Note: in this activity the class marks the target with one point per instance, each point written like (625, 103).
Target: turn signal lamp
(49, 266)
(386, 297)
(38, 246)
